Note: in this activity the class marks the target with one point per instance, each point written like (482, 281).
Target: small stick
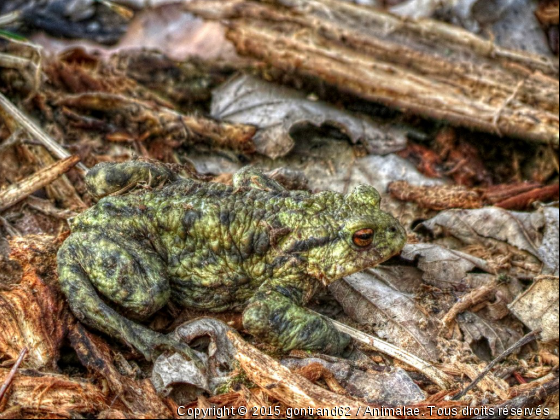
(37, 132)
(525, 340)
(437, 376)
(12, 373)
(17, 192)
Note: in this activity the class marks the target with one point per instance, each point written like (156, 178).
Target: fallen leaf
(537, 307)
(515, 235)
(276, 110)
(395, 316)
(487, 338)
(442, 267)
(171, 370)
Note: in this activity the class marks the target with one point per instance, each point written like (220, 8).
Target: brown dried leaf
(485, 335)
(514, 235)
(442, 267)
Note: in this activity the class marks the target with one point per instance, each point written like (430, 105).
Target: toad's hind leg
(124, 272)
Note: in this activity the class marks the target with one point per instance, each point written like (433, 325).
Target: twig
(437, 376)
(37, 132)
(526, 400)
(525, 340)
(12, 373)
(17, 192)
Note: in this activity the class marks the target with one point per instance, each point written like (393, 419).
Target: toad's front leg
(276, 319)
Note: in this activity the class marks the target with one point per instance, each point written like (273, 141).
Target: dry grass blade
(12, 373)
(22, 120)
(525, 340)
(17, 192)
(438, 377)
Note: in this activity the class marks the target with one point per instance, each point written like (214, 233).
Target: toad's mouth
(371, 258)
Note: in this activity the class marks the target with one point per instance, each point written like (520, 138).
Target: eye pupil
(363, 237)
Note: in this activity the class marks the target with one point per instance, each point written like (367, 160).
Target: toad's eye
(363, 237)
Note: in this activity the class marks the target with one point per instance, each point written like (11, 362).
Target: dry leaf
(395, 316)
(515, 235)
(276, 110)
(219, 362)
(486, 337)
(537, 307)
(442, 267)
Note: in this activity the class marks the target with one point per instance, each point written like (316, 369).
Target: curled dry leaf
(537, 307)
(219, 361)
(392, 388)
(397, 318)
(277, 110)
(441, 197)
(32, 313)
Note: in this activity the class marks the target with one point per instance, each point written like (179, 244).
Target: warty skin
(254, 247)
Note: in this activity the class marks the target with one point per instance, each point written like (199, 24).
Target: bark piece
(392, 388)
(436, 197)
(51, 395)
(425, 67)
(138, 120)
(138, 396)
(32, 313)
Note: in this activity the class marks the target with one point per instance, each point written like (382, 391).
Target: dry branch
(425, 67)
(292, 390)
(19, 191)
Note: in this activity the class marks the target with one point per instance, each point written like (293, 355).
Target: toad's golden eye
(363, 237)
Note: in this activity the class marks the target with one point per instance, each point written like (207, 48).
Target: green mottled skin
(254, 247)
